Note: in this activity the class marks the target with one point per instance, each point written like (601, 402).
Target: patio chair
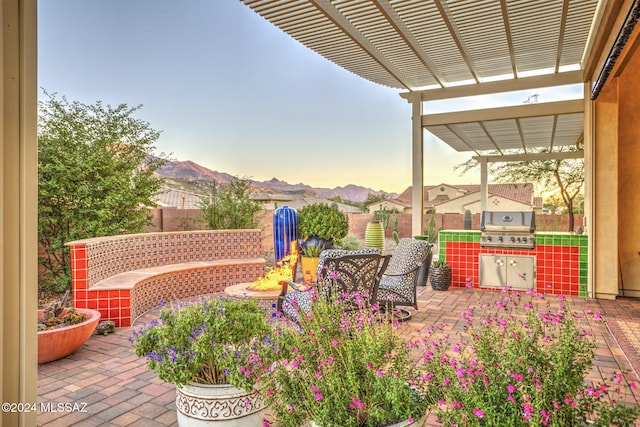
(408, 269)
(353, 271)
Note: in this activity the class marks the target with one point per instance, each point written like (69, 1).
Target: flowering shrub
(344, 367)
(524, 364)
(210, 342)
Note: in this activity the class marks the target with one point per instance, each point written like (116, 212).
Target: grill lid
(519, 221)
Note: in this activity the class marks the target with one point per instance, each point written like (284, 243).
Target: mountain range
(190, 171)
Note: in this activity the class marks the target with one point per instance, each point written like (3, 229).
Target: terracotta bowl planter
(57, 343)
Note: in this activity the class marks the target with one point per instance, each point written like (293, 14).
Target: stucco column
(417, 167)
(18, 209)
(588, 183)
(484, 189)
(604, 229)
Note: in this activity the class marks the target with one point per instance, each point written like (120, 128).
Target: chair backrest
(335, 253)
(353, 273)
(409, 255)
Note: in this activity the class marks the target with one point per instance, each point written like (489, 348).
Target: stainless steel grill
(507, 229)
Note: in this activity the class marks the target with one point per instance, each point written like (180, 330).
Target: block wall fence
(173, 219)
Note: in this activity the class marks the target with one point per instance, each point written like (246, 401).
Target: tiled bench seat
(105, 277)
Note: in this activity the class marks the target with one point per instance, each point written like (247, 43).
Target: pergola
(443, 49)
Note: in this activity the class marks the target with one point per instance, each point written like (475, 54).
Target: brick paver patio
(119, 391)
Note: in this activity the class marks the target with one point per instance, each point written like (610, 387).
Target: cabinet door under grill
(493, 270)
(521, 272)
(498, 271)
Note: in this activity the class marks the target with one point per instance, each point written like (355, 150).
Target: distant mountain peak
(190, 170)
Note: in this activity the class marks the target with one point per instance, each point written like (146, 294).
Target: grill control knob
(513, 239)
(488, 238)
(500, 239)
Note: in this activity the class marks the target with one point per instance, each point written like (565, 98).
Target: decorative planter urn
(57, 343)
(221, 405)
(374, 235)
(309, 267)
(440, 278)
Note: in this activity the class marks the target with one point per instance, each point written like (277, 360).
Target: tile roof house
(446, 198)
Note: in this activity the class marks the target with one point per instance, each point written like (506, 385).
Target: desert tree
(230, 206)
(96, 167)
(566, 176)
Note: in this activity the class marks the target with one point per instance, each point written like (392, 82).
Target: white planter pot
(218, 405)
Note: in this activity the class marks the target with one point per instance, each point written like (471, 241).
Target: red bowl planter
(57, 343)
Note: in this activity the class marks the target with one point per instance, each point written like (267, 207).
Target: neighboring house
(174, 198)
(298, 200)
(446, 198)
(272, 201)
(392, 205)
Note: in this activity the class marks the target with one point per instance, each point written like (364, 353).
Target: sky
(231, 92)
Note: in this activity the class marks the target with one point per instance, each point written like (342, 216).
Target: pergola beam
(505, 113)
(555, 155)
(498, 86)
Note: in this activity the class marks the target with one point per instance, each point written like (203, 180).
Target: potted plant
(324, 222)
(213, 351)
(440, 275)
(342, 367)
(62, 331)
(320, 226)
(310, 256)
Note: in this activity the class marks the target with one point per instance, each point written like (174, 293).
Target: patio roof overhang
(413, 45)
(443, 49)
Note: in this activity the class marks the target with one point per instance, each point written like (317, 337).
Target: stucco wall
(629, 174)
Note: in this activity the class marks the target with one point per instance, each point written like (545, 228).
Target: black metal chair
(408, 269)
(339, 271)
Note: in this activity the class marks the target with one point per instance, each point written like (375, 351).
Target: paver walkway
(119, 391)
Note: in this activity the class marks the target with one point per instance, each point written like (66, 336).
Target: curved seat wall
(124, 276)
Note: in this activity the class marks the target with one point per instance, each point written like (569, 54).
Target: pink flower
(314, 388)
(478, 413)
(319, 396)
(356, 403)
(511, 388)
(379, 373)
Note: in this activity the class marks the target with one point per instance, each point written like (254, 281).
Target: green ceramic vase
(374, 236)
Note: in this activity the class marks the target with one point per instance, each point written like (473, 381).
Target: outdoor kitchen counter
(560, 259)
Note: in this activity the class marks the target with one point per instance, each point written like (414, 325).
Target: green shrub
(324, 221)
(350, 243)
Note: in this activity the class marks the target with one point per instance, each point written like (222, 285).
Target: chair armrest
(296, 286)
(416, 268)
